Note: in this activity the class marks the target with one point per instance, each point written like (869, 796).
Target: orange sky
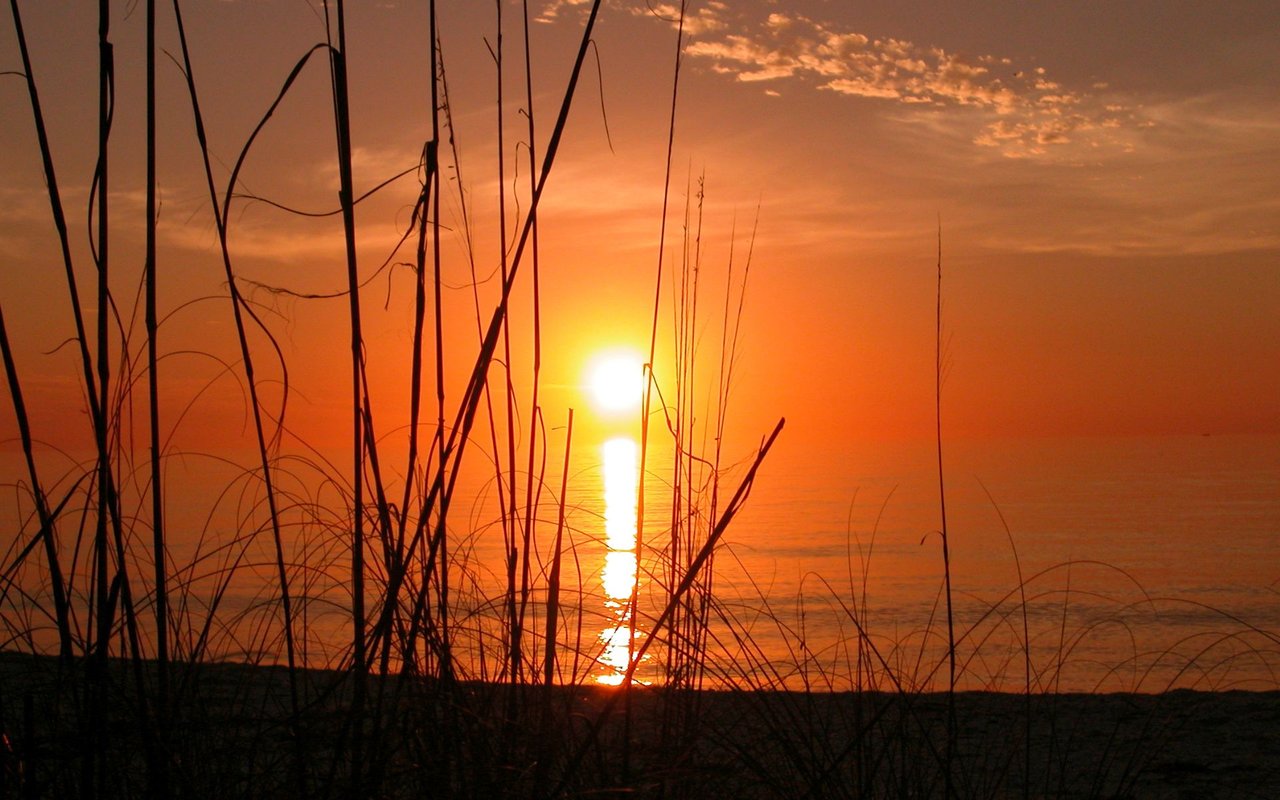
(1106, 179)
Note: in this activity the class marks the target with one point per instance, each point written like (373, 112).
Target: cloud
(1027, 113)
(704, 19)
(551, 11)
(370, 165)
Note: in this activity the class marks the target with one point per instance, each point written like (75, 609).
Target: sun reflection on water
(618, 578)
(620, 475)
(619, 575)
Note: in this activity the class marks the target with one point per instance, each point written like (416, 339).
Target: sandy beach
(232, 737)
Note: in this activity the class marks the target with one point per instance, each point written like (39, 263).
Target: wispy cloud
(1022, 111)
(705, 18)
(552, 10)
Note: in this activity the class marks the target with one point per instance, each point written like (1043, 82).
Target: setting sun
(616, 380)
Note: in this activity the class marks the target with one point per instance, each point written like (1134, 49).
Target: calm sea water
(1142, 562)
(1081, 564)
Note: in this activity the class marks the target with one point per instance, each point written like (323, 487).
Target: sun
(616, 379)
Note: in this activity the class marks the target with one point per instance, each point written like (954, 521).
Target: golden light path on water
(619, 457)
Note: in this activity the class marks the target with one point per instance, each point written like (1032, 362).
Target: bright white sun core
(616, 379)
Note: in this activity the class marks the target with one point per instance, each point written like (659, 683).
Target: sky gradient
(1104, 180)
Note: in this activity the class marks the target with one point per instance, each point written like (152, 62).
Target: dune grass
(345, 629)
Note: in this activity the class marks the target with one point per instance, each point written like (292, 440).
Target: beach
(231, 735)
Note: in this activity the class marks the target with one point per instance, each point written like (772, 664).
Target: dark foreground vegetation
(231, 735)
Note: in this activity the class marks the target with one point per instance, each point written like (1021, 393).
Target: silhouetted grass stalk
(946, 546)
(221, 213)
(505, 463)
(159, 555)
(342, 122)
(649, 384)
(536, 417)
(676, 598)
(47, 534)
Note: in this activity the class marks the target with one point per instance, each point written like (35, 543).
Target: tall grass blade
(342, 122)
(946, 546)
(239, 308)
(47, 534)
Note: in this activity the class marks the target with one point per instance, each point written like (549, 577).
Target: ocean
(1143, 563)
(1083, 564)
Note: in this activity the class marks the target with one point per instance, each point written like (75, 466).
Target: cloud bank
(1026, 113)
